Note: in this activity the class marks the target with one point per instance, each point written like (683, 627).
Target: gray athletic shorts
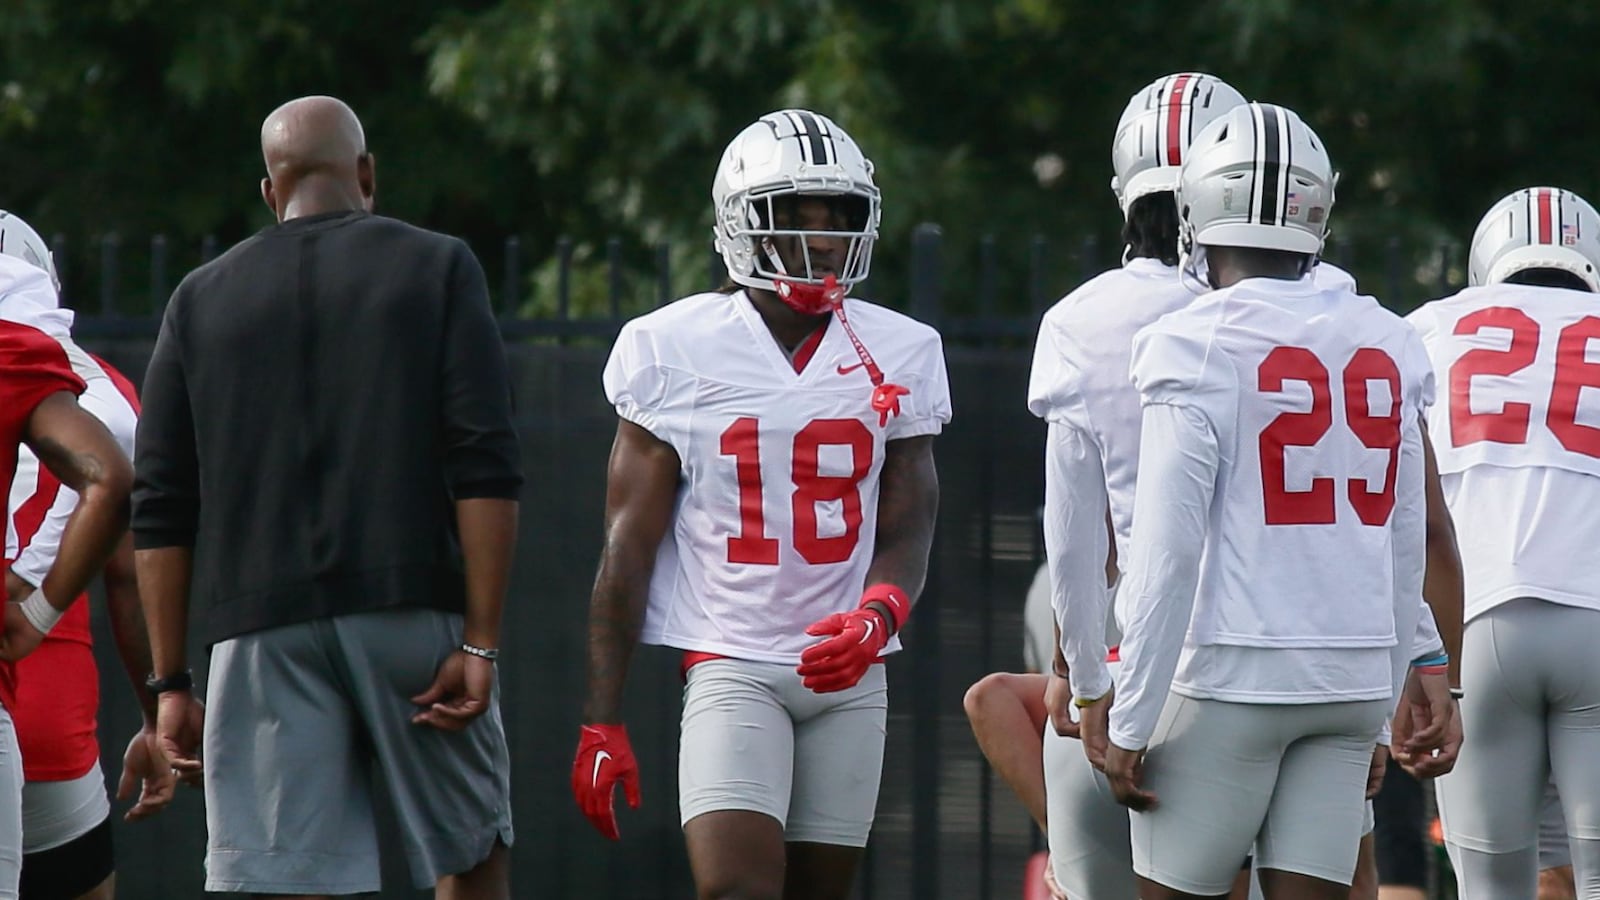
(56, 813)
(1531, 713)
(754, 738)
(1288, 779)
(10, 808)
(1090, 849)
(299, 722)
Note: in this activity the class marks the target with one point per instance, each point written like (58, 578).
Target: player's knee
(982, 695)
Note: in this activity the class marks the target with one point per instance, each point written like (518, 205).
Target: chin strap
(820, 299)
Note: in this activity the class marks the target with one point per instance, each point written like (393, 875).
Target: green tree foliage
(595, 118)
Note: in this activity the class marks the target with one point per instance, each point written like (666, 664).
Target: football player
(1278, 544)
(1518, 438)
(770, 508)
(40, 389)
(66, 816)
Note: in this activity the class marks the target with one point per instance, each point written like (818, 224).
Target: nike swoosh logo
(846, 370)
(599, 758)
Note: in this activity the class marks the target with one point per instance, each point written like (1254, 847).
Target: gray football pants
(1530, 672)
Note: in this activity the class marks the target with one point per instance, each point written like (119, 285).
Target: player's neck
(788, 327)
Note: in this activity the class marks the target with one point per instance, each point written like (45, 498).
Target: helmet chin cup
(810, 299)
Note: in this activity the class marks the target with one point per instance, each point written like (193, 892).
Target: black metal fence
(945, 827)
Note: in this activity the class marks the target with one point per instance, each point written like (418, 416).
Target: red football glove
(839, 662)
(604, 758)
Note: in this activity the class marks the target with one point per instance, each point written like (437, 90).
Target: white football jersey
(1080, 382)
(1307, 403)
(777, 515)
(1517, 435)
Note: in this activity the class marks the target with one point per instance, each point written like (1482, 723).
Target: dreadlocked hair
(1151, 228)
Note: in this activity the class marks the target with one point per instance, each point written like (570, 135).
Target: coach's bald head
(317, 159)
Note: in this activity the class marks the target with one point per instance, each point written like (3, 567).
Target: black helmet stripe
(1269, 162)
(813, 138)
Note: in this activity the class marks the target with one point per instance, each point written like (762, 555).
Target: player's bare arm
(641, 488)
(463, 688)
(641, 491)
(79, 450)
(1442, 586)
(908, 504)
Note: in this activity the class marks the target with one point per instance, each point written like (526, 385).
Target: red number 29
(751, 546)
(1315, 506)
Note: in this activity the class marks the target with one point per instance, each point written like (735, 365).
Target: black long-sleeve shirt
(319, 397)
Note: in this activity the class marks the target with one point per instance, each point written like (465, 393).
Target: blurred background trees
(602, 118)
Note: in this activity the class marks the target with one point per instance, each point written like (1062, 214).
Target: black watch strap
(178, 681)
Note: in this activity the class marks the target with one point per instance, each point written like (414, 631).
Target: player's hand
(20, 637)
(1380, 762)
(1125, 770)
(17, 588)
(604, 758)
(854, 640)
(460, 692)
(1094, 727)
(180, 722)
(1422, 718)
(146, 768)
(1439, 761)
(1050, 884)
(1058, 704)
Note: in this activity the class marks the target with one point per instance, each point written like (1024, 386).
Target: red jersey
(56, 689)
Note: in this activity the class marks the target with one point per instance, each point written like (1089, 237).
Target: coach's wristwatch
(178, 681)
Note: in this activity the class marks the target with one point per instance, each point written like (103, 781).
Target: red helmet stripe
(1175, 101)
(1544, 217)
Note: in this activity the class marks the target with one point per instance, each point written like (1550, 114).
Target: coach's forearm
(164, 575)
(126, 612)
(488, 530)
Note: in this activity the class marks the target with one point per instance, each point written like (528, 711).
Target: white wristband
(40, 613)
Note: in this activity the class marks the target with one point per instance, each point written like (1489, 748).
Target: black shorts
(1400, 831)
(70, 870)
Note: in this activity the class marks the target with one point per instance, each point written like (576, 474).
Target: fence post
(1391, 268)
(926, 714)
(208, 248)
(1038, 301)
(109, 245)
(614, 276)
(926, 289)
(513, 276)
(158, 273)
(1446, 257)
(663, 274)
(564, 278)
(988, 269)
(716, 270)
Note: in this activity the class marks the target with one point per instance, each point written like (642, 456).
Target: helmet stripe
(1176, 102)
(810, 131)
(1269, 163)
(1544, 217)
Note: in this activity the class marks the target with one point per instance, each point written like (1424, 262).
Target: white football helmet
(18, 239)
(1256, 177)
(1155, 131)
(1536, 228)
(786, 153)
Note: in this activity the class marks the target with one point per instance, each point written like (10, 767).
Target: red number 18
(742, 441)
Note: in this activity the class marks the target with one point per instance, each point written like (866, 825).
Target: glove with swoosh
(604, 758)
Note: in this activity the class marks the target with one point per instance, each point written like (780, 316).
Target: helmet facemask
(763, 227)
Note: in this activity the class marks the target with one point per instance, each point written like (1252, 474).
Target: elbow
(112, 486)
